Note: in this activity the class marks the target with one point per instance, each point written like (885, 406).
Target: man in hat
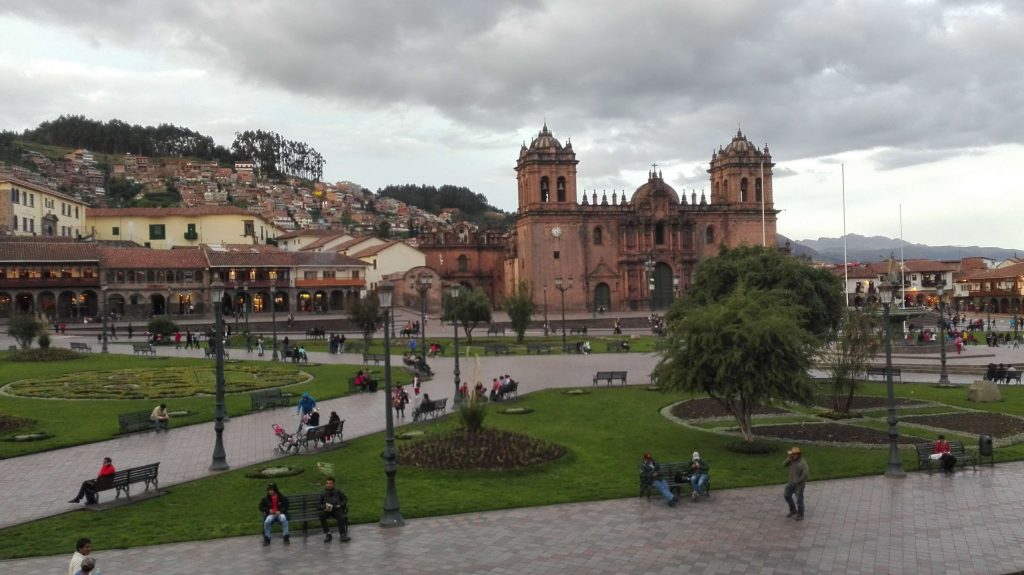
(651, 472)
(698, 474)
(275, 508)
(798, 473)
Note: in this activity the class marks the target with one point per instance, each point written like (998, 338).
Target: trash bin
(985, 448)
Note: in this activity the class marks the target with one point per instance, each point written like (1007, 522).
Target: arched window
(758, 194)
(743, 190)
(659, 233)
(598, 236)
(463, 263)
(709, 235)
(687, 236)
(545, 189)
(560, 187)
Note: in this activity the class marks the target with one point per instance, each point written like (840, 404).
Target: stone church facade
(612, 253)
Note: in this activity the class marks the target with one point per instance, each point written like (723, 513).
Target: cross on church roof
(654, 167)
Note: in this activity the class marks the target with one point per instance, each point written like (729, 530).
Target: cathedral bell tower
(546, 172)
(741, 175)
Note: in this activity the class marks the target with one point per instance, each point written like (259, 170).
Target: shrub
(472, 414)
(52, 354)
(44, 340)
(162, 326)
(24, 328)
(839, 415)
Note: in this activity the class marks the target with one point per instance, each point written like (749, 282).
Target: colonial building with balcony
(28, 209)
(999, 290)
(166, 228)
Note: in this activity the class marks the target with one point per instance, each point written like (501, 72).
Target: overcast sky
(921, 100)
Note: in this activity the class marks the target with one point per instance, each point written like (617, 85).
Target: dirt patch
(9, 423)
(867, 402)
(830, 432)
(975, 423)
(703, 408)
(490, 449)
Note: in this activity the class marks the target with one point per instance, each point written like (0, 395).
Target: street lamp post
(234, 306)
(423, 287)
(943, 375)
(245, 305)
(563, 288)
(220, 460)
(456, 290)
(895, 467)
(649, 266)
(273, 315)
(988, 308)
(392, 516)
(103, 291)
(545, 309)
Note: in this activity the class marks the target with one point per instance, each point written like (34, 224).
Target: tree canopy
(520, 307)
(469, 310)
(366, 314)
(434, 199)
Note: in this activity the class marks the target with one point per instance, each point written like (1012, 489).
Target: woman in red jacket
(88, 488)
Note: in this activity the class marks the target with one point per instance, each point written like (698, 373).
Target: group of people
(333, 504)
(1002, 373)
(793, 494)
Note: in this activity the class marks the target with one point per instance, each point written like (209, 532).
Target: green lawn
(598, 344)
(604, 431)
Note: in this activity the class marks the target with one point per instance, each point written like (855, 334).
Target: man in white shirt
(82, 550)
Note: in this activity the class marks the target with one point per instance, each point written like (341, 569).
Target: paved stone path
(925, 524)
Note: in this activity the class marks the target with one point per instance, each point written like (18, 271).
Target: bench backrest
(331, 428)
(143, 472)
(134, 417)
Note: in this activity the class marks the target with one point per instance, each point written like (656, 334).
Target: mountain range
(876, 248)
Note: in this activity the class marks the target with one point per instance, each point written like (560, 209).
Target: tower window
(557, 254)
(561, 189)
(687, 236)
(709, 235)
(659, 233)
(758, 194)
(598, 236)
(463, 264)
(743, 190)
(545, 189)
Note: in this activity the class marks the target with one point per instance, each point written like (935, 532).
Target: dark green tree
(384, 229)
(520, 307)
(367, 316)
(469, 310)
(121, 192)
(849, 354)
(744, 350)
(24, 328)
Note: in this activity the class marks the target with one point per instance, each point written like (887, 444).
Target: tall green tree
(848, 356)
(744, 350)
(469, 310)
(520, 307)
(367, 316)
(24, 328)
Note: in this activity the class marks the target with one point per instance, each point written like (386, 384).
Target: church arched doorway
(602, 297)
(662, 296)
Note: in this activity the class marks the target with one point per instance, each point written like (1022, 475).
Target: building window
(328, 274)
(157, 232)
(115, 231)
(545, 190)
(598, 236)
(560, 190)
(743, 190)
(709, 235)
(687, 236)
(309, 275)
(557, 255)
(15, 227)
(249, 228)
(758, 194)
(659, 233)
(15, 195)
(355, 274)
(463, 264)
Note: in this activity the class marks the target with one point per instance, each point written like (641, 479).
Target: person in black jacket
(334, 503)
(275, 508)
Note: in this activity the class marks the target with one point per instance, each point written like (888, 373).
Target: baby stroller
(286, 441)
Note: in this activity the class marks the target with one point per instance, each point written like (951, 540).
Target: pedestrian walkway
(968, 524)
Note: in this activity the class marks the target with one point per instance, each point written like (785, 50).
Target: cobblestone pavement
(968, 523)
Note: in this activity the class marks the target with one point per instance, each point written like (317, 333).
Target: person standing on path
(798, 473)
(82, 550)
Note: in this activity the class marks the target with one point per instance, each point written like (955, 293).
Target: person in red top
(946, 459)
(275, 508)
(88, 488)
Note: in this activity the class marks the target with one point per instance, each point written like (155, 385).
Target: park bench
(956, 448)
(433, 408)
(75, 346)
(121, 481)
(496, 349)
(376, 358)
(264, 398)
(582, 330)
(371, 384)
(321, 435)
(512, 389)
(316, 333)
(212, 352)
(1012, 376)
(621, 346)
(676, 475)
(304, 508)
(610, 377)
(143, 348)
(495, 330)
(881, 372)
(538, 348)
(354, 346)
(135, 421)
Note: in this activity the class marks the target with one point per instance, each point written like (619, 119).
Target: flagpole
(846, 261)
(903, 267)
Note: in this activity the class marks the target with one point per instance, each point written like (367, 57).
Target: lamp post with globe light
(273, 315)
(392, 516)
(895, 466)
(455, 291)
(563, 288)
(219, 462)
(943, 376)
(423, 287)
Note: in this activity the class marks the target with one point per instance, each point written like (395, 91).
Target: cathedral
(618, 253)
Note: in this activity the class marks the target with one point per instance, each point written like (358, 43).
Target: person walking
(798, 473)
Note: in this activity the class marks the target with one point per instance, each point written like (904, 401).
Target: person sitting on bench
(88, 488)
(942, 451)
(698, 474)
(652, 472)
(160, 417)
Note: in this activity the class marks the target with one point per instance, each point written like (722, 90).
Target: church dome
(655, 188)
(739, 145)
(545, 141)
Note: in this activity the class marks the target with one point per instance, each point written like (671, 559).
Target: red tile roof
(374, 250)
(48, 252)
(114, 258)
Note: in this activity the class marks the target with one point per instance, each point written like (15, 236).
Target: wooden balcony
(329, 283)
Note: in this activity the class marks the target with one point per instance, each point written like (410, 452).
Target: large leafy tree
(469, 310)
(520, 307)
(24, 328)
(744, 350)
(848, 356)
(366, 314)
